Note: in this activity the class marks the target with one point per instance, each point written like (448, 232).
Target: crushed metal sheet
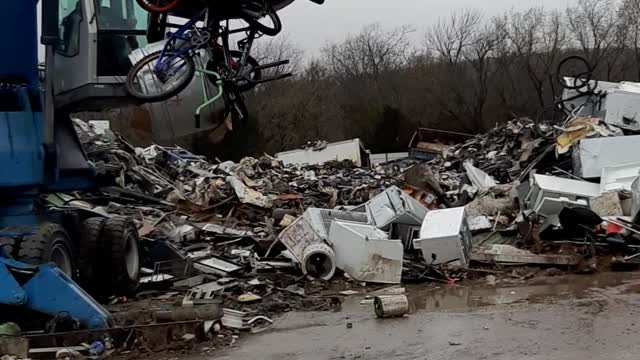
(208, 291)
(215, 265)
(248, 195)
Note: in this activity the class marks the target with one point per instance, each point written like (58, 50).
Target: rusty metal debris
(257, 238)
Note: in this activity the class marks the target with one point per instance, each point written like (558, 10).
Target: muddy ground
(568, 317)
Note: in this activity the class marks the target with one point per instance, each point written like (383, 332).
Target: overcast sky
(312, 26)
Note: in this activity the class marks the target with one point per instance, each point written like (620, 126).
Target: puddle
(532, 291)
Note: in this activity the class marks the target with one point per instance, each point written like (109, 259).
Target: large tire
(121, 251)
(255, 23)
(157, 6)
(89, 263)
(147, 63)
(48, 244)
(8, 247)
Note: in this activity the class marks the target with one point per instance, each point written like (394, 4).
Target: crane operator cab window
(122, 28)
(70, 13)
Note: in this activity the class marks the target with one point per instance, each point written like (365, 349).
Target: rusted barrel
(388, 306)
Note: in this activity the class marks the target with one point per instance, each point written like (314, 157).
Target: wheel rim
(268, 22)
(132, 259)
(149, 82)
(61, 257)
(160, 5)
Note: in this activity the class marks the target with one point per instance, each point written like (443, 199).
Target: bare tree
(598, 32)
(471, 72)
(370, 53)
(276, 49)
(481, 55)
(450, 38)
(629, 14)
(466, 46)
(537, 38)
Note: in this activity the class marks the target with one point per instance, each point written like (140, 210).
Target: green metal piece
(218, 85)
(10, 329)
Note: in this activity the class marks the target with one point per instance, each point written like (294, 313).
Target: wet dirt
(565, 317)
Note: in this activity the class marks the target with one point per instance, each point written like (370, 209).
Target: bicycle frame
(246, 50)
(171, 45)
(233, 70)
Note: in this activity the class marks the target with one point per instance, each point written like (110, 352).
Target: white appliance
(445, 237)
(394, 206)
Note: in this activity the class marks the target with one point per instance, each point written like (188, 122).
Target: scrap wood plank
(289, 197)
(119, 333)
(527, 259)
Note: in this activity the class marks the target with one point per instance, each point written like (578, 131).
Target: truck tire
(89, 263)
(121, 251)
(8, 247)
(49, 243)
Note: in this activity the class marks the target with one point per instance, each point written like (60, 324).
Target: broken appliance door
(548, 187)
(366, 254)
(593, 155)
(395, 206)
(621, 177)
(548, 195)
(321, 219)
(445, 237)
(623, 107)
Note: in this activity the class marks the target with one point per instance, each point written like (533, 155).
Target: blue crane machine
(45, 251)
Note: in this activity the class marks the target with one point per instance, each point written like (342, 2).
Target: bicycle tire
(256, 24)
(167, 5)
(579, 82)
(133, 75)
(212, 65)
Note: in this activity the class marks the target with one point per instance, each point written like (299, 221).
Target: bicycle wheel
(235, 105)
(218, 66)
(158, 6)
(147, 83)
(253, 19)
(575, 67)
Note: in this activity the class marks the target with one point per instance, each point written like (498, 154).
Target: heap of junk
(226, 247)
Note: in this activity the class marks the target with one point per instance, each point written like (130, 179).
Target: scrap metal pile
(493, 186)
(212, 228)
(250, 190)
(257, 237)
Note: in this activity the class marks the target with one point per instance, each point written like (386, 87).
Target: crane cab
(91, 60)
